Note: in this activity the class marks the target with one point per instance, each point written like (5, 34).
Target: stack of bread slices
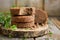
(23, 17)
(28, 17)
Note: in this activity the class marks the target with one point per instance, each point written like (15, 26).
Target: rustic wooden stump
(39, 31)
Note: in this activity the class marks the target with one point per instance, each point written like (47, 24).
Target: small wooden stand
(26, 33)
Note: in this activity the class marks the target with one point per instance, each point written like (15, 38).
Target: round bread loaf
(23, 18)
(41, 16)
(23, 25)
(15, 11)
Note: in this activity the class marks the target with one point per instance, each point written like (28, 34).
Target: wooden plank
(53, 28)
(6, 38)
(52, 37)
(16, 2)
(43, 4)
(56, 22)
(52, 7)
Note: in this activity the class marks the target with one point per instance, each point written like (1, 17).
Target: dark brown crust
(41, 16)
(23, 18)
(23, 25)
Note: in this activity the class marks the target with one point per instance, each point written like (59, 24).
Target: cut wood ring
(25, 32)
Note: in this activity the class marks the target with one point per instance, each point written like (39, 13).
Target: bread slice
(15, 11)
(27, 11)
(23, 18)
(23, 25)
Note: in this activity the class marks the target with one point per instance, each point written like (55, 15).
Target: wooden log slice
(41, 17)
(15, 11)
(23, 25)
(25, 32)
(23, 18)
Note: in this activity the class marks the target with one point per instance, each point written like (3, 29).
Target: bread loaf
(41, 16)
